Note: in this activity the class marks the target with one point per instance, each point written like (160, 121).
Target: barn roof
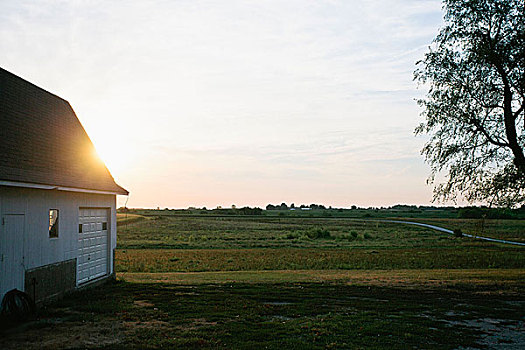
(43, 143)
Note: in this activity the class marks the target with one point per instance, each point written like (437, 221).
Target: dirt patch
(57, 335)
(143, 303)
(277, 303)
(196, 324)
(132, 325)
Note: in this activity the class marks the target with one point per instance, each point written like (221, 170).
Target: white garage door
(93, 242)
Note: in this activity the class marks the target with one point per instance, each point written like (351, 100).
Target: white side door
(12, 253)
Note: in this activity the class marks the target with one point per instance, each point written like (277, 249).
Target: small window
(79, 228)
(104, 226)
(53, 223)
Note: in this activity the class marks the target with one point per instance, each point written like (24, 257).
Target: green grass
(513, 230)
(271, 316)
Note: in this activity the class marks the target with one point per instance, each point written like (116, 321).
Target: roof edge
(34, 85)
(122, 191)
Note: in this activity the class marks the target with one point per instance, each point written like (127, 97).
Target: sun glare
(116, 159)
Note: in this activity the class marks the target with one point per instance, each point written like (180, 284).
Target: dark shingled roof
(43, 142)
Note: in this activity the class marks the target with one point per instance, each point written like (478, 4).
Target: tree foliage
(474, 108)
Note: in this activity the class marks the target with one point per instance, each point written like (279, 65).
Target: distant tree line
(399, 210)
(399, 207)
(237, 211)
(284, 206)
(490, 213)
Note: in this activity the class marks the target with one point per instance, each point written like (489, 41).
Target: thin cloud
(283, 89)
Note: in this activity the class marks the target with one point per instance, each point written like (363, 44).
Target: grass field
(271, 232)
(189, 244)
(211, 282)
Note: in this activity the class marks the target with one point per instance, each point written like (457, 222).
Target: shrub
(318, 232)
(458, 232)
(291, 235)
(489, 213)
(348, 237)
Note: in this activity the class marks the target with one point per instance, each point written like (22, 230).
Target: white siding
(34, 204)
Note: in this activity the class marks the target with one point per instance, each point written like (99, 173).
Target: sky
(213, 102)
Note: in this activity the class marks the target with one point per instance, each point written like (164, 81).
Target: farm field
(183, 232)
(198, 244)
(210, 282)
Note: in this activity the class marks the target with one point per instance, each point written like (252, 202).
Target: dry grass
(480, 279)
(126, 218)
(198, 260)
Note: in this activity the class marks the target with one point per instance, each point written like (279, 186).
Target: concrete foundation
(51, 281)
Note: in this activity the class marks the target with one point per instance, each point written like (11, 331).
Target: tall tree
(475, 106)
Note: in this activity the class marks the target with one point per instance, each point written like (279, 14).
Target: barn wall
(39, 249)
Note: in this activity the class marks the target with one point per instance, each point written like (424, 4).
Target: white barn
(58, 226)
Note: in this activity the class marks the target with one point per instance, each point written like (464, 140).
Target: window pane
(53, 223)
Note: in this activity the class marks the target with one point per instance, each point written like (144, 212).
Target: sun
(116, 158)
